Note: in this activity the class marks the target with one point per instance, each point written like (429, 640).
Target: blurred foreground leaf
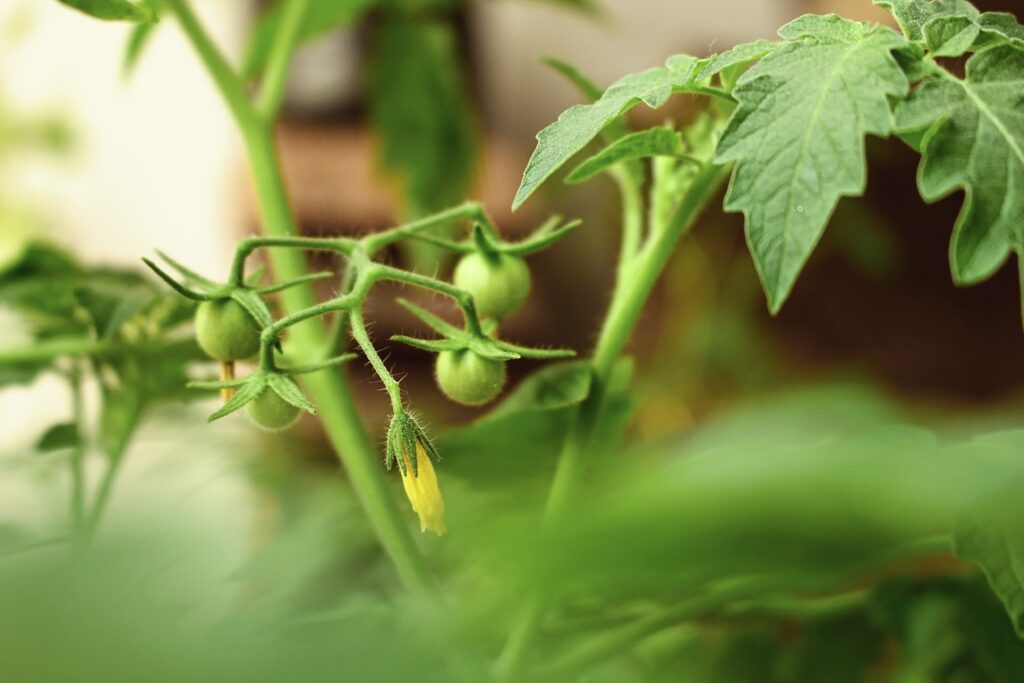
(112, 10)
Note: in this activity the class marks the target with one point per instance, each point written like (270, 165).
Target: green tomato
(226, 331)
(468, 378)
(499, 284)
(270, 411)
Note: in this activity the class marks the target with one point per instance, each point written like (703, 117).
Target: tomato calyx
(471, 365)
(230, 316)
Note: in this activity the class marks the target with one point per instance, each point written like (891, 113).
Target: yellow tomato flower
(423, 491)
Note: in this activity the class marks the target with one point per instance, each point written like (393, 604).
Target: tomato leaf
(951, 36)
(59, 437)
(994, 541)
(974, 141)
(112, 10)
(797, 137)
(580, 124)
(652, 142)
(912, 15)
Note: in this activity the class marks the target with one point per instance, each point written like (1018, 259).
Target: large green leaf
(421, 112)
(912, 15)
(974, 141)
(580, 124)
(112, 10)
(797, 136)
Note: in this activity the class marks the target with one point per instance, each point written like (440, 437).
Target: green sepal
(536, 354)
(257, 307)
(281, 286)
(249, 391)
(456, 339)
(432, 345)
(215, 384)
(285, 387)
(435, 323)
(316, 367)
(181, 289)
(484, 239)
(404, 431)
(192, 276)
(543, 237)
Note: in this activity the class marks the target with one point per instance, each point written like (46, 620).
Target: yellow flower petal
(423, 491)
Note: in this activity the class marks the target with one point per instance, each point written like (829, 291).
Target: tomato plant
(760, 548)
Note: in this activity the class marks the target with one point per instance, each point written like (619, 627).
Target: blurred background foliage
(773, 500)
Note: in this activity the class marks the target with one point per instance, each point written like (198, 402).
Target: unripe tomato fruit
(468, 378)
(499, 283)
(226, 331)
(270, 411)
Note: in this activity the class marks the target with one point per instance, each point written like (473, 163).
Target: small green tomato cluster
(499, 284)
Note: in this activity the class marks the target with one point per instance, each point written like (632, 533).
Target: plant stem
(78, 453)
(469, 210)
(330, 390)
(243, 249)
(115, 457)
(634, 285)
(224, 76)
(362, 338)
(279, 61)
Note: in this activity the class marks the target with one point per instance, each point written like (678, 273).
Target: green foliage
(950, 36)
(140, 36)
(112, 10)
(797, 137)
(990, 536)
(648, 143)
(421, 112)
(59, 437)
(580, 124)
(322, 17)
(913, 15)
(973, 140)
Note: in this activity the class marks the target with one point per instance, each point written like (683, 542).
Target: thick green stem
(224, 76)
(328, 388)
(279, 62)
(635, 283)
